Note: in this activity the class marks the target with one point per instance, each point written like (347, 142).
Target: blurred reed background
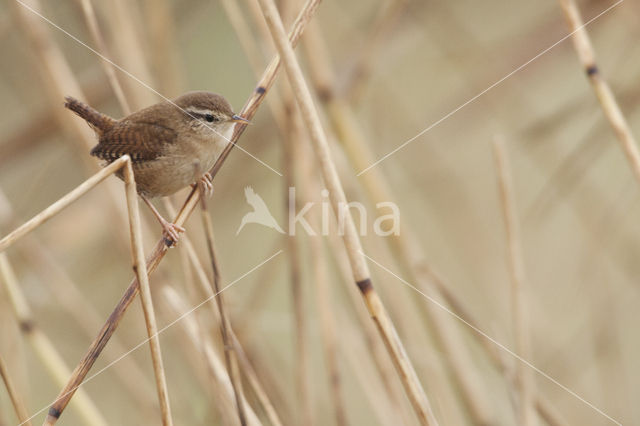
(516, 213)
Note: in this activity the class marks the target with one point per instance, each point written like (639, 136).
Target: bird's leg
(205, 184)
(171, 231)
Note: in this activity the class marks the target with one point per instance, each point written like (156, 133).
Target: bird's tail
(97, 120)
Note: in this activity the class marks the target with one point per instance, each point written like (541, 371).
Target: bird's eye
(210, 118)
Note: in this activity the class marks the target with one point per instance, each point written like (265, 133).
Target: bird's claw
(171, 233)
(205, 185)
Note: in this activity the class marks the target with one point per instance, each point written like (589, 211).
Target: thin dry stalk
(78, 307)
(409, 253)
(545, 409)
(42, 346)
(140, 270)
(164, 48)
(303, 158)
(61, 204)
(524, 375)
(96, 34)
(328, 328)
(206, 287)
(125, 16)
(352, 243)
(16, 399)
(187, 209)
(608, 102)
(230, 358)
(297, 291)
(59, 81)
(190, 325)
(375, 348)
(361, 70)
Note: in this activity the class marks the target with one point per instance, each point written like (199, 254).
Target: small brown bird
(171, 144)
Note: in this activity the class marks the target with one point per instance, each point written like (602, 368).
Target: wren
(172, 144)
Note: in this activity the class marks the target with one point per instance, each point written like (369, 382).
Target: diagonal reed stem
(354, 249)
(230, 357)
(42, 346)
(160, 249)
(608, 102)
(61, 204)
(16, 399)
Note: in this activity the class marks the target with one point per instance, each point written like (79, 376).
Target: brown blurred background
(575, 193)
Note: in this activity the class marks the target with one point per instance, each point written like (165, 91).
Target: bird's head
(209, 112)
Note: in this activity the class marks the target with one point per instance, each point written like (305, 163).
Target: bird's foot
(205, 185)
(171, 232)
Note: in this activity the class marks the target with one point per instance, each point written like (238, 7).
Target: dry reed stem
(125, 16)
(281, 113)
(361, 70)
(42, 346)
(70, 298)
(523, 374)
(302, 157)
(139, 264)
(206, 287)
(187, 208)
(59, 81)
(178, 306)
(140, 270)
(375, 348)
(354, 250)
(544, 407)
(61, 204)
(344, 121)
(16, 399)
(42, 123)
(94, 29)
(164, 49)
(327, 324)
(608, 102)
(409, 253)
(230, 358)
(300, 322)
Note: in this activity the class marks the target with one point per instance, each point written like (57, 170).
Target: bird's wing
(142, 141)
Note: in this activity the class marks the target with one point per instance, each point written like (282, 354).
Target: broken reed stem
(42, 346)
(523, 374)
(16, 399)
(354, 250)
(61, 204)
(610, 107)
(190, 325)
(160, 249)
(230, 358)
(96, 34)
(140, 270)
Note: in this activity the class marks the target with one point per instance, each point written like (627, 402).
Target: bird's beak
(237, 119)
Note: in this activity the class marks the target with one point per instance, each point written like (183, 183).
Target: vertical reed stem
(352, 243)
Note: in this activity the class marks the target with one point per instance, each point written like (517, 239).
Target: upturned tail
(97, 120)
